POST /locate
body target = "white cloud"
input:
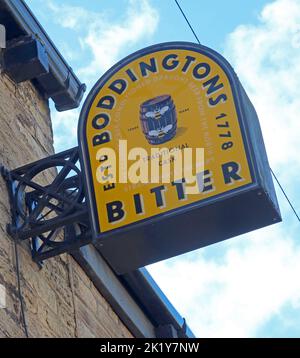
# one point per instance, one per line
(105, 41)
(267, 60)
(259, 273)
(72, 17)
(103, 38)
(234, 297)
(65, 129)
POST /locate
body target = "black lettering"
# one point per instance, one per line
(108, 176)
(144, 67)
(201, 70)
(138, 203)
(204, 181)
(102, 138)
(158, 195)
(105, 120)
(207, 181)
(109, 186)
(103, 158)
(230, 172)
(214, 101)
(106, 102)
(189, 60)
(212, 85)
(172, 64)
(180, 189)
(115, 211)
(131, 75)
(118, 86)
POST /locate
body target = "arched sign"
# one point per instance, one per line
(154, 107)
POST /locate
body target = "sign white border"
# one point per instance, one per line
(2, 36)
(2, 296)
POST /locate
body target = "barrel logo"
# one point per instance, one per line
(158, 119)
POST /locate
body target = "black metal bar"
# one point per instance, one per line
(68, 183)
(60, 222)
(68, 247)
(62, 155)
(31, 219)
(42, 189)
(46, 240)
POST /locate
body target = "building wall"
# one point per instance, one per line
(60, 300)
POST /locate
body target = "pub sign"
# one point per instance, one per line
(136, 129)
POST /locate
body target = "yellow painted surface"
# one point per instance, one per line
(197, 127)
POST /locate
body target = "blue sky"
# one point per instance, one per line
(248, 286)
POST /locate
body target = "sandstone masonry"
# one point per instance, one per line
(60, 300)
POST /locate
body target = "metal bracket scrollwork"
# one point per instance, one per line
(48, 205)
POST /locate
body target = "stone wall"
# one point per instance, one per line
(60, 300)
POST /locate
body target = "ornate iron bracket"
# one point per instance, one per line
(48, 205)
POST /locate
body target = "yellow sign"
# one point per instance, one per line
(172, 97)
